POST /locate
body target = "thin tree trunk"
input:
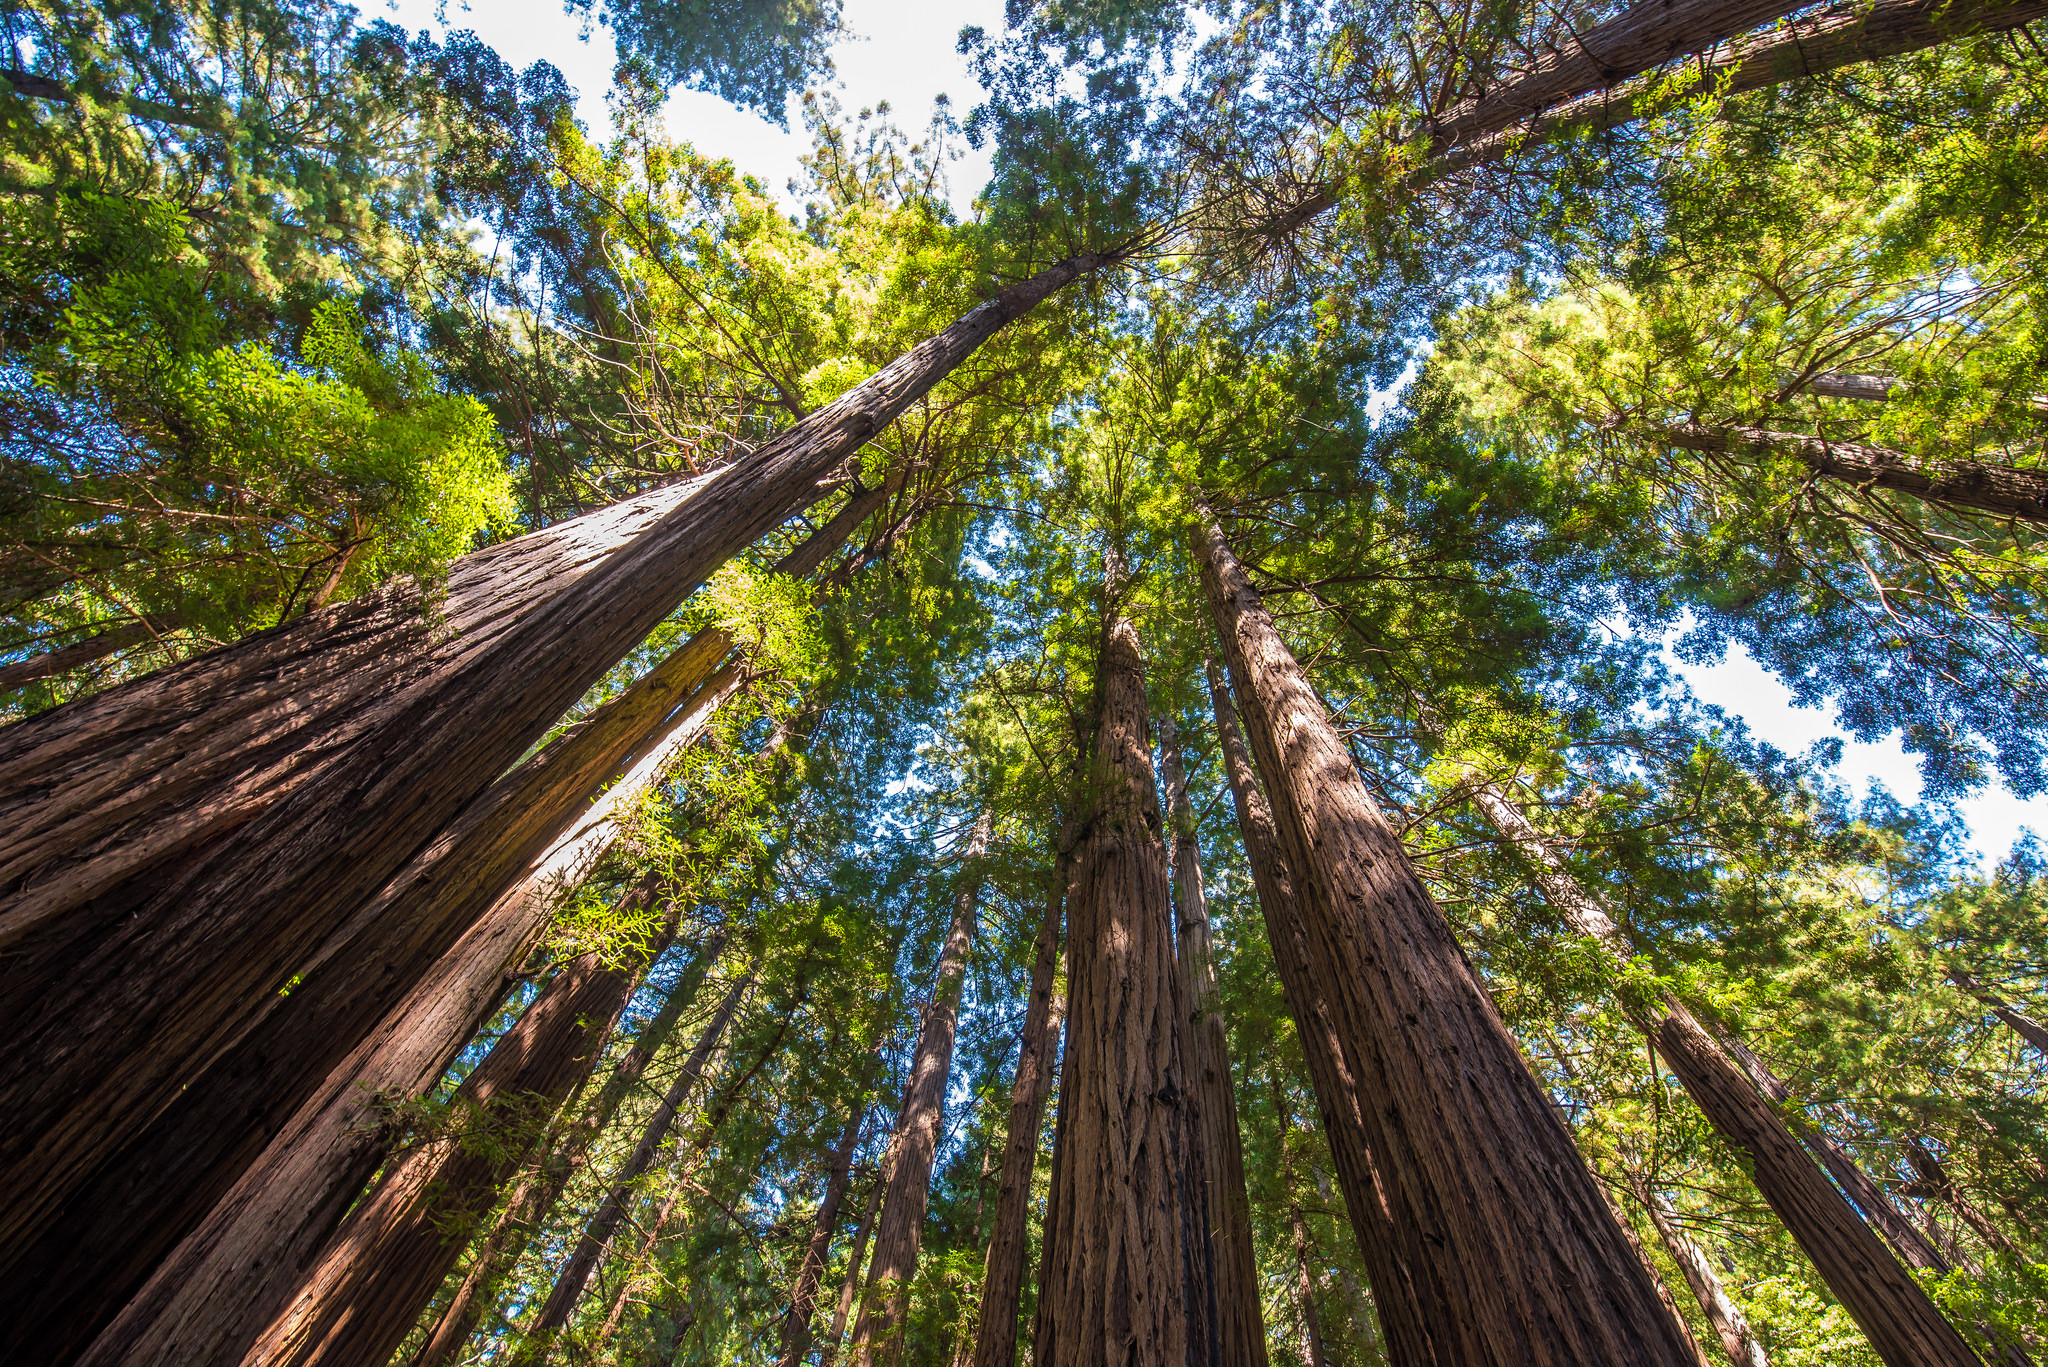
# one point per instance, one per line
(597, 1234)
(1731, 1326)
(1128, 1262)
(1336, 1088)
(2000, 490)
(1902, 1323)
(1935, 1175)
(849, 1286)
(1512, 1252)
(1305, 1287)
(366, 1290)
(537, 1192)
(1002, 1284)
(480, 892)
(877, 1334)
(1363, 1316)
(1241, 1327)
(79, 654)
(2025, 1026)
(803, 1296)
(168, 848)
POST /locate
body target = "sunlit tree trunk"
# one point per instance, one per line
(170, 849)
(2021, 1024)
(1002, 1285)
(803, 1296)
(1731, 1326)
(1510, 1249)
(1241, 1327)
(856, 1263)
(1128, 1262)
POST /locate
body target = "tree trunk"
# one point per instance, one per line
(1336, 1088)
(1902, 1324)
(849, 1286)
(171, 847)
(1241, 1328)
(1129, 1267)
(1731, 1326)
(877, 1334)
(1311, 1322)
(597, 1234)
(1513, 1252)
(77, 655)
(2025, 1026)
(803, 1296)
(1002, 1284)
(497, 865)
(366, 1290)
(2000, 490)
(535, 1196)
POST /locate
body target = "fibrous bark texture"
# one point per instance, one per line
(1731, 1326)
(1902, 1324)
(1127, 1264)
(1002, 1283)
(1512, 1253)
(803, 1295)
(877, 1333)
(172, 851)
(1240, 1326)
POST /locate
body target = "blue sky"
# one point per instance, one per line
(905, 53)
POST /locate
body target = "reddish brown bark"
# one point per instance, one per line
(2021, 1024)
(388, 1258)
(170, 850)
(803, 1295)
(1127, 1267)
(849, 1285)
(1512, 1251)
(1731, 1326)
(77, 655)
(1240, 1325)
(877, 1334)
(1002, 1283)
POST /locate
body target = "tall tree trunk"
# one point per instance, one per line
(1002, 1283)
(1512, 1253)
(1731, 1326)
(877, 1334)
(170, 848)
(2025, 1026)
(79, 654)
(597, 1234)
(1902, 1323)
(367, 1288)
(1128, 1262)
(491, 875)
(856, 1261)
(803, 1296)
(536, 1194)
(1336, 1088)
(1305, 1286)
(1241, 1329)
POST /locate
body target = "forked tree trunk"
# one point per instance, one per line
(534, 1197)
(234, 1271)
(877, 1334)
(1512, 1251)
(1002, 1283)
(1900, 1320)
(1336, 1088)
(1731, 1326)
(856, 1262)
(803, 1295)
(1240, 1326)
(597, 1233)
(1128, 1264)
(366, 1290)
(172, 849)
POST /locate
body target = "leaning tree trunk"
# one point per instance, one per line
(1900, 1320)
(1311, 1322)
(1128, 1264)
(1513, 1254)
(877, 1334)
(2021, 1024)
(1731, 1326)
(856, 1261)
(172, 850)
(1002, 1282)
(535, 1195)
(375, 1275)
(1240, 1327)
(803, 1295)
(1336, 1089)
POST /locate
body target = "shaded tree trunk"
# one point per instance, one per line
(803, 1296)
(535, 1196)
(856, 1261)
(1510, 1248)
(79, 654)
(1002, 1284)
(1902, 1323)
(1127, 1259)
(1305, 1283)
(1240, 1326)
(367, 1288)
(2025, 1026)
(877, 1334)
(1731, 1326)
(1336, 1088)
(169, 848)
